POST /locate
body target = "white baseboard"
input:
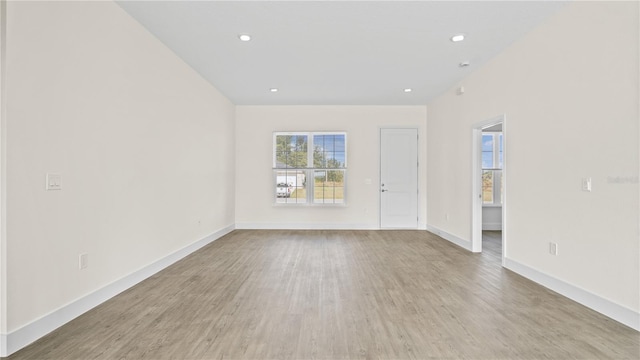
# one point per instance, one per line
(305, 226)
(492, 226)
(18, 339)
(313, 226)
(465, 244)
(606, 307)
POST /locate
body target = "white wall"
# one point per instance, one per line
(144, 145)
(254, 151)
(492, 218)
(569, 90)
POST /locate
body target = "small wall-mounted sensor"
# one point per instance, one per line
(586, 184)
(460, 90)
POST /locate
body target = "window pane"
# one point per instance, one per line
(336, 160)
(318, 151)
(487, 160)
(291, 151)
(487, 187)
(319, 158)
(328, 151)
(328, 187)
(487, 142)
(487, 151)
(500, 154)
(498, 177)
(291, 186)
(339, 143)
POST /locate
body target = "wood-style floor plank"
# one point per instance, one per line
(284, 294)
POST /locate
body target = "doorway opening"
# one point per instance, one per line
(489, 195)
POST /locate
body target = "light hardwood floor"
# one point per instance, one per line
(492, 244)
(338, 295)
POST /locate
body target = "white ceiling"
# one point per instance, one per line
(336, 52)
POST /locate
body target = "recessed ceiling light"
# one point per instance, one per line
(273, 90)
(244, 37)
(456, 38)
(464, 64)
(408, 90)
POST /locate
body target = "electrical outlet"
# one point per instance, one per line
(586, 184)
(83, 261)
(553, 249)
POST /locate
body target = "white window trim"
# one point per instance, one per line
(309, 170)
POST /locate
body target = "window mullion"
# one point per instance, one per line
(309, 171)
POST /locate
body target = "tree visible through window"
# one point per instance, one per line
(302, 156)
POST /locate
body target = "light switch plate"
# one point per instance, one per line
(54, 182)
(586, 184)
(83, 261)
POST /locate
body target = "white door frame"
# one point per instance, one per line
(476, 183)
(3, 182)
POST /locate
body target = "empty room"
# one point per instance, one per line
(319, 179)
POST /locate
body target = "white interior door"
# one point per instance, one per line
(399, 178)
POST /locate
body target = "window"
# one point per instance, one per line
(310, 168)
(492, 168)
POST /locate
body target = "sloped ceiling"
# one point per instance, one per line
(337, 52)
